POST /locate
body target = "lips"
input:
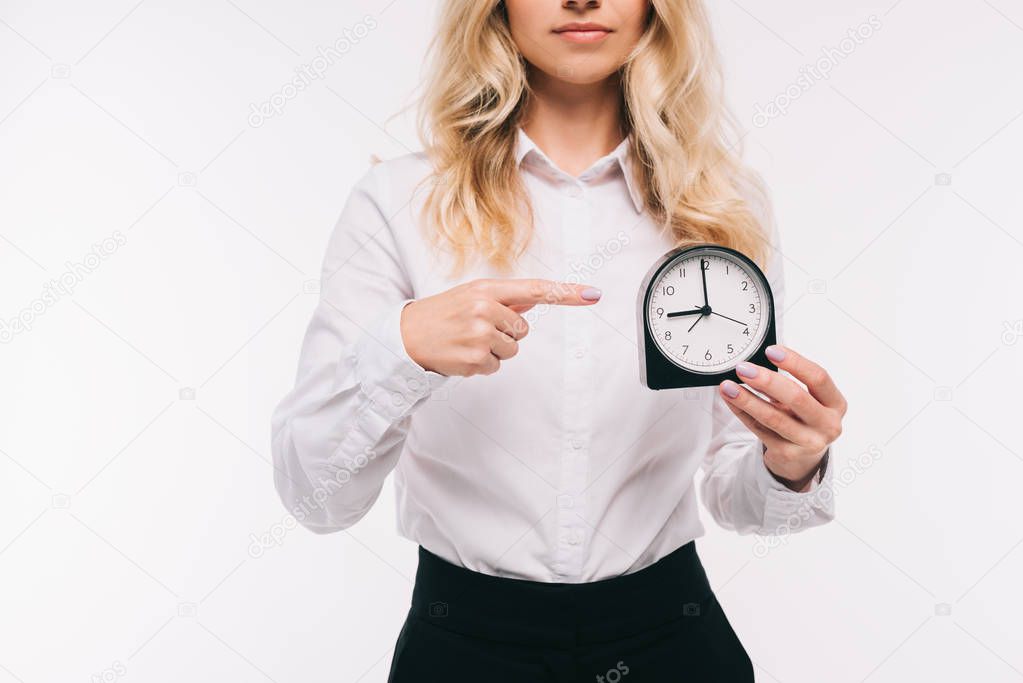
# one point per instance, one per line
(585, 27)
(583, 32)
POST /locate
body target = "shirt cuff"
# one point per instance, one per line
(391, 380)
(786, 510)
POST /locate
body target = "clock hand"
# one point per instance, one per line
(694, 324)
(703, 275)
(676, 314)
(732, 319)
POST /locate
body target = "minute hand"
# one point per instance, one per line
(703, 276)
(732, 319)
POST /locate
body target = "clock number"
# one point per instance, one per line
(685, 347)
(668, 290)
(745, 285)
(746, 332)
(660, 312)
(730, 349)
(752, 308)
(707, 355)
(706, 265)
(667, 335)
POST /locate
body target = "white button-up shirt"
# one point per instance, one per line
(562, 466)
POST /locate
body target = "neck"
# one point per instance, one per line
(573, 124)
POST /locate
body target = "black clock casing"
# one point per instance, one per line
(658, 372)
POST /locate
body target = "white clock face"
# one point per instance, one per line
(708, 328)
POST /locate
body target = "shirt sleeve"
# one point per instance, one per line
(737, 488)
(340, 430)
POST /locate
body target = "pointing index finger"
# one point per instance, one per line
(533, 291)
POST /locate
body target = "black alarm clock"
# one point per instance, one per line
(702, 309)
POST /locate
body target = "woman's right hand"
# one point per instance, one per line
(469, 329)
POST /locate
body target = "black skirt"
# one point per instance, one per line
(662, 623)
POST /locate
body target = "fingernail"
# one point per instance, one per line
(591, 294)
(746, 369)
(775, 353)
(730, 388)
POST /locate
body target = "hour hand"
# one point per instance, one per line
(676, 314)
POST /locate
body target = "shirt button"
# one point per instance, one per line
(574, 539)
(574, 192)
(577, 444)
(579, 353)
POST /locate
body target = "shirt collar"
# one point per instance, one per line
(622, 154)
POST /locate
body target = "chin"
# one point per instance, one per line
(588, 74)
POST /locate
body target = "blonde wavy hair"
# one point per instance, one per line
(692, 180)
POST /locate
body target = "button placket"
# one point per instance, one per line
(578, 377)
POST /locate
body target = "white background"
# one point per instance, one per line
(128, 508)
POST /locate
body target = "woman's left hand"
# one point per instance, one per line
(796, 424)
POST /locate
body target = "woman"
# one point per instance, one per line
(476, 336)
